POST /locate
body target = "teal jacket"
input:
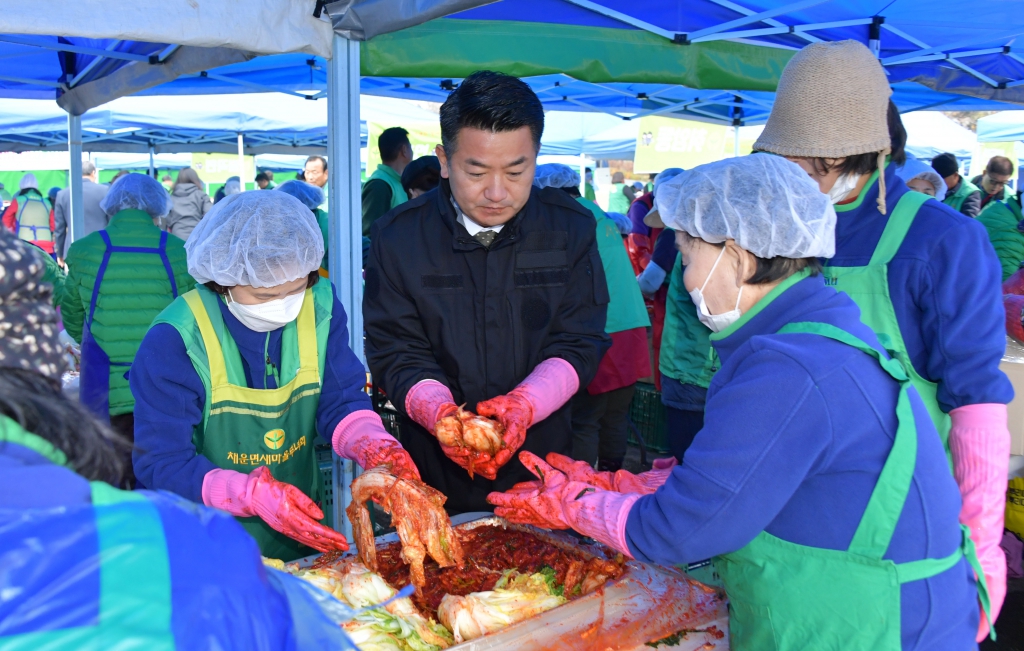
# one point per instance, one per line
(1001, 219)
(135, 290)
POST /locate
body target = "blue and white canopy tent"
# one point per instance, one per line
(1005, 126)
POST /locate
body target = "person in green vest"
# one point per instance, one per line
(600, 410)
(588, 191)
(961, 195)
(237, 378)
(1001, 220)
(383, 190)
(311, 197)
(994, 181)
(819, 484)
(119, 279)
(621, 194)
(88, 566)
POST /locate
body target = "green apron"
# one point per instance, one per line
(394, 181)
(686, 353)
(135, 574)
(323, 222)
(617, 200)
(246, 428)
(626, 310)
(869, 288)
(789, 597)
(956, 200)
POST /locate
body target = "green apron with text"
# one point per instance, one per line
(135, 573)
(869, 287)
(789, 597)
(246, 428)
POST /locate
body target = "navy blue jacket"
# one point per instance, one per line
(221, 595)
(796, 431)
(945, 284)
(169, 397)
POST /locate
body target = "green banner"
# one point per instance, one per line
(217, 168)
(423, 136)
(669, 142)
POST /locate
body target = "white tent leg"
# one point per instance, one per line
(736, 141)
(583, 175)
(152, 169)
(77, 225)
(241, 162)
(346, 224)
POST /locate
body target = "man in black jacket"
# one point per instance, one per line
(486, 292)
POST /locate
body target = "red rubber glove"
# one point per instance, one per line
(361, 436)
(1015, 283)
(534, 503)
(621, 481)
(282, 506)
(515, 413)
(428, 403)
(1014, 306)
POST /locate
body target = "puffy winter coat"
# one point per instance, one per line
(134, 291)
(1001, 220)
(188, 205)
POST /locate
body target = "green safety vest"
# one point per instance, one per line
(135, 573)
(626, 309)
(394, 181)
(789, 597)
(322, 221)
(956, 200)
(686, 353)
(245, 428)
(33, 221)
(617, 201)
(868, 286)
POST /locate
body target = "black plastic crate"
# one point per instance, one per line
(648, 415)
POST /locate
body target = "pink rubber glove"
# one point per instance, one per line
(282, 506)
(537, 503)
(429, 401)
(551, 384)
(599, 514)
(361, 436)
(980, 445)
(620, 481)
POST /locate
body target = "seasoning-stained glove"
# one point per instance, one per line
(1014, 306)
(283, 506)
(545, 390)
(980, 444)
(429, 402)
(361, 436)
(620, 481)
(536, 503)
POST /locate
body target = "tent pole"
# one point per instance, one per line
(583, 174)
(736, 141)
(77, 225)
(151, 167)
(345, 227)
(241, 162)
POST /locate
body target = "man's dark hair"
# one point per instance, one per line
(323, 161)
(262, 176)
(37, 404)
(1000, 165)
(490, 101)
(867, 163)
(391, 142)
(423, 174)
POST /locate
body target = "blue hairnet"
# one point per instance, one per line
(307, 193)
(622, 221)
(767, 204)
(556, 175)
(136, 192)
(52, 194)
(260, 239)
(233, 185)
(914, 169)
(666, 174)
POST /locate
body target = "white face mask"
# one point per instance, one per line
(268, 316)
(715, 322)
(843, 187)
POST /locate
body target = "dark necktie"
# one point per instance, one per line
(485, 237)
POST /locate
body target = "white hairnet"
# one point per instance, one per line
(262, 239)
(310, 195)
(622, 221)
(233, 185)
(136, 192)
(914, 169)
(666, 174)
(556, 175)
(764, 202)
(27, 181)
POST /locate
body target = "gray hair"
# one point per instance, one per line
(88, 168)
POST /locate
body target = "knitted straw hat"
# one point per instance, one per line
(832, 102)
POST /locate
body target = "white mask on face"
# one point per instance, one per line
(843, 187)
(715, 322)
(268, 316)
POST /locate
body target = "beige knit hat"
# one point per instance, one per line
(832, 102)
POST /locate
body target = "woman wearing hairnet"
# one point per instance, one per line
(118, 280)
(818, 481)
(311, 197)
(922, 274)
(235, 379)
